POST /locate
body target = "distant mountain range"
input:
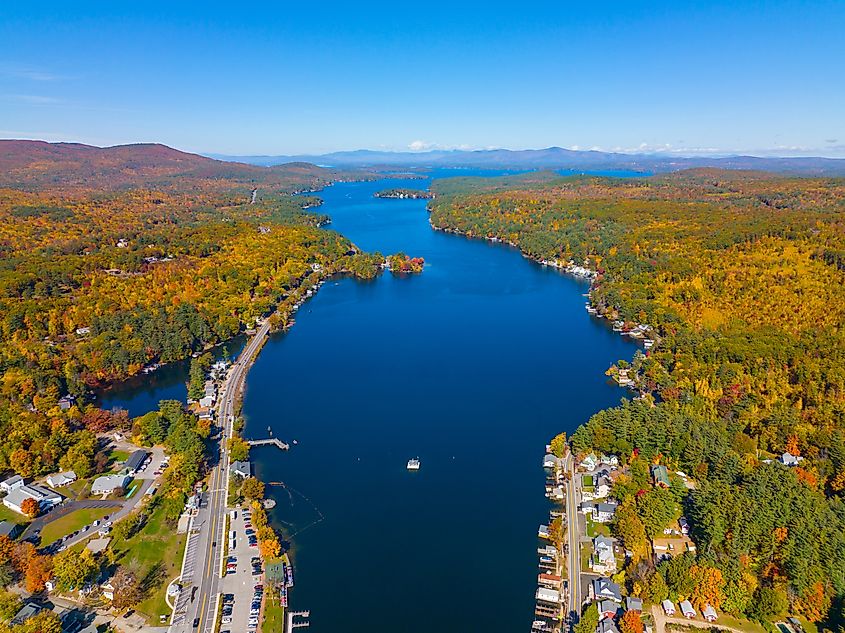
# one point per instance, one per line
(553, 158)
(37, 165)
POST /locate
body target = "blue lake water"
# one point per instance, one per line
(471, 366)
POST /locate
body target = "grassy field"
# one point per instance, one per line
(7, 514)
(72, 522)
(595, 529)
(75, 489)
(155, 555)
(274, 614)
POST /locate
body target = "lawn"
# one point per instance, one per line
(54, 530)
(155, 555)
(595, 529)
(587, 481)
(274, 614)
(586, 552)
(74, 490)
(116, 456)
(740, 625)
(7, 514)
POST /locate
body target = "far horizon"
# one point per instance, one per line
(660, 78)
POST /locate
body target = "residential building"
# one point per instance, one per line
(787, 459)
(607, 609)
(58, 480)
(660, 475)
(709, 613)
(604, 512)
(603, 561)
(241, 469)
(45, 498)
(109, 483)
(550, 461)
(66, 402)
(15, 481)
(633, 604)
(108, 590)
(545, 594)
(605, 589)
(668, 607)
(589, 462)
(686, 609)
(135, 461)
(9, 529)
(607, 626)
(27, 611)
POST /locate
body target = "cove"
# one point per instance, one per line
(471, 366)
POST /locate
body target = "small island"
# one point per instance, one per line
(404, 194)
(400, 263)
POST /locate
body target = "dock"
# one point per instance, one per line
(273, 441)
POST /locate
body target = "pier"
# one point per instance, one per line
(294, 624)
(273, 441)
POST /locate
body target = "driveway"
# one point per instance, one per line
(661, 620)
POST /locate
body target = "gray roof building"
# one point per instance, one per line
(135, 460)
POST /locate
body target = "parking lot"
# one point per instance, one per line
(240, 581)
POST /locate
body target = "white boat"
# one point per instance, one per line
(414, 463)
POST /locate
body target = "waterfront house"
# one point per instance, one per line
(45, 498)
(603, 561)
(58, 480)
(543, 531)
(66, 402)
(687, 610)
(241, 469)
(668, 607)
(633, 604)
(544, 594)
(107, 484)
(605, 589)
(15, 481)
(709, 613)
(787, 459)
(604, 512)
(607, 609)
(206, 402)
(660, 475)
(550, 580)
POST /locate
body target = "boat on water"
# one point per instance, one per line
(414, 463)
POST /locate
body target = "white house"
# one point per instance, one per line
(58, 480)
(709, 613)
(241, 469)
(15, 481)
(548, 595)
(108, 590)
(788, 459)
(687, 610)
(43, 497)
(605, 589)
(206, 402)
(668, 607)
(589, 462)
(604, 512)
(550, 461)
(109, 483)
(603, 561)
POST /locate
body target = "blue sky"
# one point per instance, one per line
(282, 78)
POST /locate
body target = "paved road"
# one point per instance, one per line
(211, 520)
(574, 540)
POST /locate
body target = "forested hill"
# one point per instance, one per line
(742, 278)
(69, 167)
(112, 260)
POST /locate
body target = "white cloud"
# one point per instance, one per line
(420, 146)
